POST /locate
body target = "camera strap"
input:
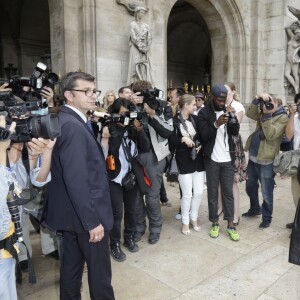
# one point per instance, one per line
(127, 151)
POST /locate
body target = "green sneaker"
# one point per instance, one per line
(214, 230)
(233, 234)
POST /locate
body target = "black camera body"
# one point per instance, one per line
(231, 117)
(117, 123)
(36, 81)
(193, 151)
(150, 96)
(298, 108)
(29, 126)
(268, 105)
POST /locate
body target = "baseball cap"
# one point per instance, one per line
(220, 91)
(199, 95)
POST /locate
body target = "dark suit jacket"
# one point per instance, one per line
(208, 132)
(79, 198)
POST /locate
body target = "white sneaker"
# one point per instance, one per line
(178, 216)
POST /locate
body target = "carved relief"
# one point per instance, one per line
(293, 51)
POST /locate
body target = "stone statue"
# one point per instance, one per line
(293, 51)
(139, 46)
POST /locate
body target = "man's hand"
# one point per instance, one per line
(148, 110)
(39, 146)
(48, 94)
(136, 98)
(96, 234)
(4, 88)
(292, 108)
(138, 125)
(222, 120)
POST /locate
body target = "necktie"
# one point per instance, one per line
(89, 124)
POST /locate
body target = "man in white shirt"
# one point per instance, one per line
(216, 129)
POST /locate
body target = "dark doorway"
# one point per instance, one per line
(189, 47)
(24, 35)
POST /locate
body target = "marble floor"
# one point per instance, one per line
(196, 266)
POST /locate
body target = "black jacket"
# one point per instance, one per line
(78, 193)
(185, 163)
(208, 131)
(294, 253)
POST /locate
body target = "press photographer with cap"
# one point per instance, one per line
(217, 128)
(263, 145)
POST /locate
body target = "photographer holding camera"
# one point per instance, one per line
(157, 120)
(263, 145)
(217, 128)
(123, 143)
(186, 144)
(7, 227)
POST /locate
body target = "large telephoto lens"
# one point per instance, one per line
(46, 126)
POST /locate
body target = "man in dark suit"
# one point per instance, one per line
(79, 201)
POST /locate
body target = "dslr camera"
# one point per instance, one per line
(150, 96)
(117, 123)
(231, 117)
(36, 81)
(268, 104)
(27, 124)
(193, 151)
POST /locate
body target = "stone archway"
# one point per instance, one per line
(226, 30)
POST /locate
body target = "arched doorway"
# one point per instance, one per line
(189, 47)
(220, 23)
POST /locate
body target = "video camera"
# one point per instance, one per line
(28, 125)
(150, 96)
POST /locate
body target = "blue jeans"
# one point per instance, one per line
(219, 173)
(263, 174)
(8, 289)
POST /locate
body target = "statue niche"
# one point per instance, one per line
(140, 41)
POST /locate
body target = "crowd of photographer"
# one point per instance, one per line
(99, 162)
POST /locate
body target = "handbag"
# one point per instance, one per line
(286, 163)
(172, 171)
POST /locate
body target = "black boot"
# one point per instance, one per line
(130, 244)
(117, 253)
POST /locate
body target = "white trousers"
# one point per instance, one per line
(192, 188)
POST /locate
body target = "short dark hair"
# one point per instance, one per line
(179, 91)
(141, 85)
(68, 82)
(115, 107)
(121, 90)
(296, 98)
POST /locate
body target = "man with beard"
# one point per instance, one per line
(217, 126)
